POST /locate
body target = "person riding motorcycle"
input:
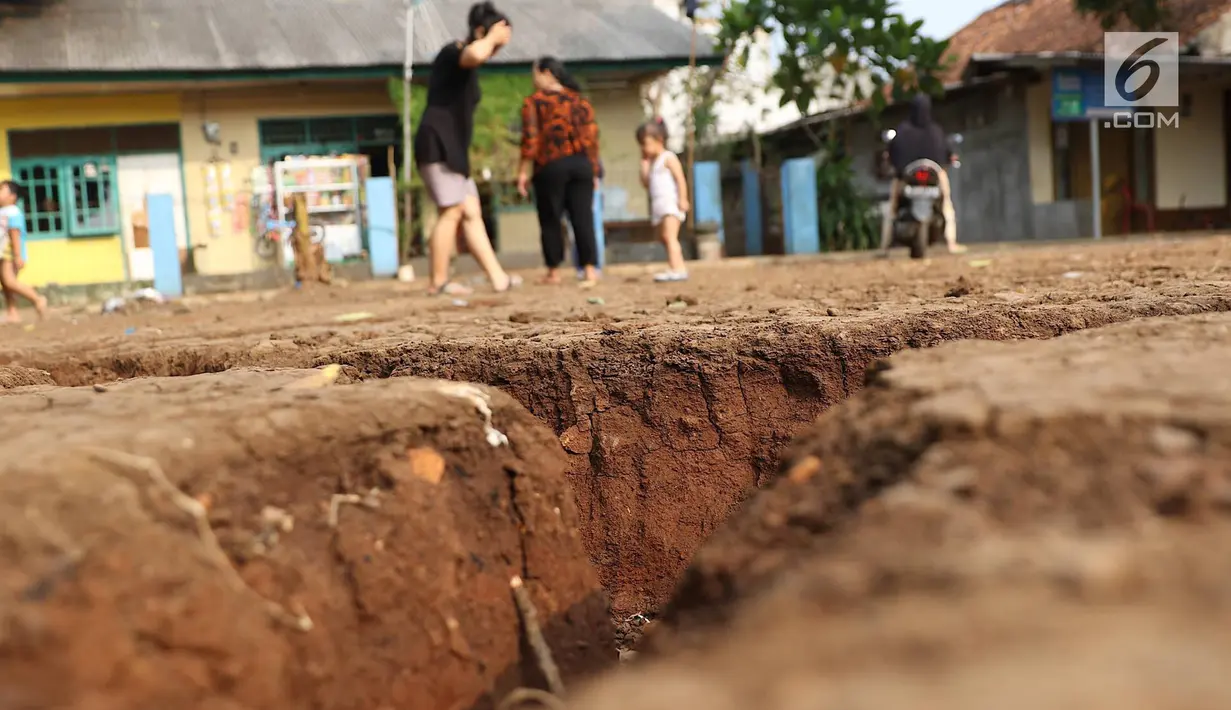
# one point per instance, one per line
(920, 138)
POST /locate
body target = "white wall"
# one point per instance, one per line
(1190, 161)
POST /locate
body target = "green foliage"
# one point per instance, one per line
(1140, 14)
(497, 121)
(860, 50)
(848, 215)
(854, 48)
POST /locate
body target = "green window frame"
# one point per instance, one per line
(69, 196)
(323, 135)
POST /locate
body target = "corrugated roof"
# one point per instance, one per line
(235, 35)
(1036, 26)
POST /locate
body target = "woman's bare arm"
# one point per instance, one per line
(479, 51)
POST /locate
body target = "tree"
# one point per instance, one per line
(1141, 14)
(855, 51)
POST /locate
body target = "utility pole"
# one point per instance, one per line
(407, 72)
(691, 10)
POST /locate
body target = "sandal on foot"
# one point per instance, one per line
(671, 276)
(450, 288)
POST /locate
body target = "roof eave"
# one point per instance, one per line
(981, 64)
(380, 71)
(850, 111)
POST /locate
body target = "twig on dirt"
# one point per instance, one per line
(371, 500)
(298, 620)
(523, 696)
(534, 632)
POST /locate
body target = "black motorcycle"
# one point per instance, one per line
(920, 221)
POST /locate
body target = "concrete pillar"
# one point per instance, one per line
(801, 223)
(168, 277)
(707, 195)
(382, 221)
(754, 238)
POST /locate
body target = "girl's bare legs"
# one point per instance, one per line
(671, 239)
(9, 282)
(480, 245)
(441, 243)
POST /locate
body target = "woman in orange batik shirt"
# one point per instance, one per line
(559, 144)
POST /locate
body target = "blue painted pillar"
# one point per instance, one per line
(168, 278)
(754, 239)
(382, 219)
(707, 195)
(801, 224)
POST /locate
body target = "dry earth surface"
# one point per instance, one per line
(1017, 525)
(268, 540)
(674, 403)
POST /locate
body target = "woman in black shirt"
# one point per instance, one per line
(442, 147)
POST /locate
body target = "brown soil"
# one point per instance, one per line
(1013, 525)
(114, 598)
(675, 402)
(14, 377)
(1036, 620)
(1104, 431)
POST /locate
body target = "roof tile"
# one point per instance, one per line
(253, 35)
(1035, 26)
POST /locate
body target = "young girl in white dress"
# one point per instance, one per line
(663, 175)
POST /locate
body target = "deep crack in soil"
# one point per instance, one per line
(671, 417)
(1045, 523)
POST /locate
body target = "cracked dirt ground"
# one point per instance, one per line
(114, 598)
(1010, 525)
(673, 404)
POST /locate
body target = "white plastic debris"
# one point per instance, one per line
(146, 295)
(483, 403)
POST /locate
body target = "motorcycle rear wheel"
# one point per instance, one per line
(919, 245)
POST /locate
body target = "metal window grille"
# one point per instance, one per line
(70, 196)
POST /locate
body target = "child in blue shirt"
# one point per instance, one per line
(12, 253)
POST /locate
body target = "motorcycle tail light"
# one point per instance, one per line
(923, 176)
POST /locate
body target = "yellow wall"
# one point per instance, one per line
(1189, 163)
(80, 259)
(619, 113)
(238, 111)
(1038, 117)
(519, 232)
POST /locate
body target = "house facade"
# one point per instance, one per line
(100, 107)
(1028, 169)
